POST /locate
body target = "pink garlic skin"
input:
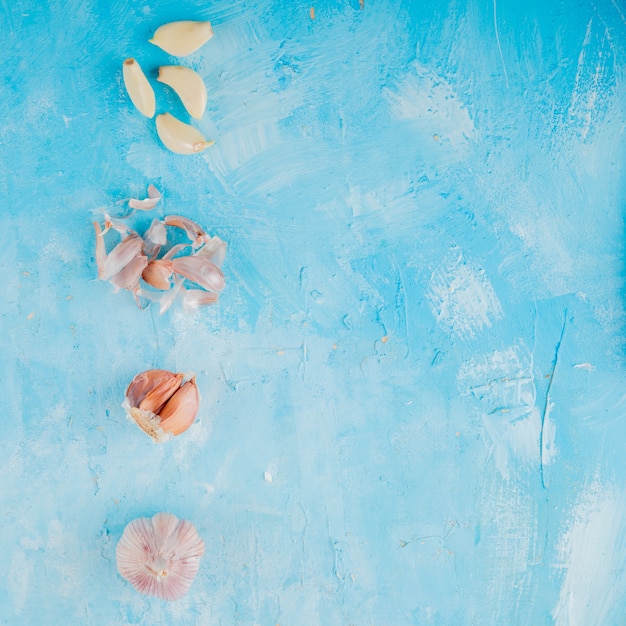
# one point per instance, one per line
(160, 556)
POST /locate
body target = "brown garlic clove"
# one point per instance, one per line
(158, 273)
(162, 403)
(181, 409)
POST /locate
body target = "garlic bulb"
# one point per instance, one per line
(162, 403)
(188, 85)
(179, 137)
(138, 87)
(182, 38)
(160, 556)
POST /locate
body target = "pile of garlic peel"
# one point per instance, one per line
(145, 266)
(162, 403)
(179, 39)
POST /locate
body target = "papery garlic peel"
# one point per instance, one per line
(179, 137)
(188, 85)
(160, 556)
(162, 403)
(182, 38)
(138, 88)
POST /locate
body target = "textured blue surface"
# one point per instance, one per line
(413, 385)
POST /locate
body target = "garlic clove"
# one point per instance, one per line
(181, 409)
(138, 87)
(188, 85)
(160, 556)
(183, 37)
(157, 274)
(161, 404)
(156, 398)
(200, 270)
(179, 137)
(144, 383)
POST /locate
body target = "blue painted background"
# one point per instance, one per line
(413, 385)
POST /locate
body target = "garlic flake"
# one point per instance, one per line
(138, 87)
(188, 85)
(179, 137)
(182, 38)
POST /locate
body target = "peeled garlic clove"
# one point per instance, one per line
(182, 38)
(179, 137)
(157, 274)
(188, 85)
(180, 411)
(138, 87)
(200, 270)
(160, 556)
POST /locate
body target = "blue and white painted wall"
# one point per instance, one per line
(414, 408)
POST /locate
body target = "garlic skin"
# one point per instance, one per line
(138, 88)
(163, 404)
(182, 38)
(179, 137)
(160, 556)
(147, 204)
(188, 85)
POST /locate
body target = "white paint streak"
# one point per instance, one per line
(18, 581)
(585, 366)
(503, 384)
(462, 298)
(589, 553)
(509, 531)
(428, 100)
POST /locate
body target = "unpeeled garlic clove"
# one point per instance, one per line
(145, 383)
(157, 274)
(183, 37)
(179, 137)
(159, 395)
(162, 403)
(188, 85)
(138, 87)
(181, 409)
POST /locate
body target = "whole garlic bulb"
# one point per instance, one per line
(160, 556)
(162, 403)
